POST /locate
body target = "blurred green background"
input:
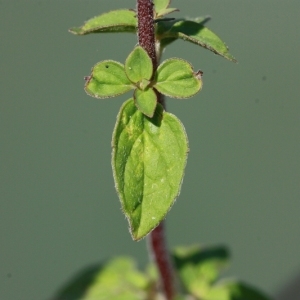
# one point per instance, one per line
(58, 207)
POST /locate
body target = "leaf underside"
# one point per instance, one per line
(196, 33)
(148, 160)
(122, 20)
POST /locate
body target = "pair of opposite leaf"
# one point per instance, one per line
(167, 30)
(174, 78)
(149, 185)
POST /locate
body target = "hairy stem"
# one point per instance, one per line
(156, 239)
(160, 255)
(146, 34)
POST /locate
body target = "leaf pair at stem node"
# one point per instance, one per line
(174, 78)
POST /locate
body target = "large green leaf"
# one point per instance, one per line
(123, 20)
(196, 33)
(148, 159)
(231, 290)
(199, 267)
(175, 78)
(108, 79)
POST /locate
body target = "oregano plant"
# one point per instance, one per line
(149, 154)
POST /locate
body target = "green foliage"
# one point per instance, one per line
(194, 32)
(138, 65)
(145, 100)
(161, 8)
(199, 270)
(233, 290)
(118, 279)
(167, 31)
(122, 20)
(108, 79)
(149, 156)
(150, 149)
(175, 78)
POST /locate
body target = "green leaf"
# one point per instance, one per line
(166, 11)
(148, 160)
(138, 65)
(161, 4)
(175, 78)
(118, 279)
(123, 20)
(199, 268)
(198, 34)
(230, 290)
(145, 101)
(161, 8)
(108, 79)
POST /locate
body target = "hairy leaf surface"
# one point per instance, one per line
(108, 79)
(148, 160)
(122, 20)
(175, 78)
(138, 65)
(198, 34)
(145, 101)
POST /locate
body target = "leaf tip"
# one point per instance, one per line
(76, 30)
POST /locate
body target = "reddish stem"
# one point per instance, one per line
(157, 245)
(146, 34)
(157, 242)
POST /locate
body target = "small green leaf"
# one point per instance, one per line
(123, 20)
(145, 101)
(138, 65)
(161, 8)
(108, 79)
(230, 290)
(119, 280)
(198, 34)
(199, 268)
(161, 4)
(148, 160)
(144, 84)
(175, 78)
(166, 11)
